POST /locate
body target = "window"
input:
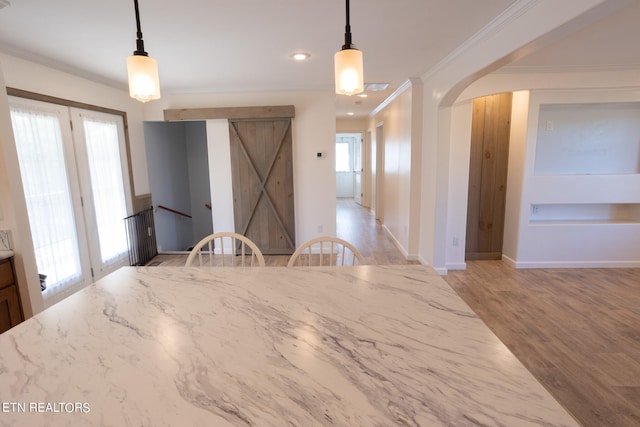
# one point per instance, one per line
(40, 146)
(76, 191)
(107, 185)
(343, 156)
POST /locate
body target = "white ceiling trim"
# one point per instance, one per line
(494, 27)
(551, 69)
(59, 66)
(404, 86)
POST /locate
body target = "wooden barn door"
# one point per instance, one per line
(262, 174)
(491, 126)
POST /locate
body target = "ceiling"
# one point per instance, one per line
(245, 46)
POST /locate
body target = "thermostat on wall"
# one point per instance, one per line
(320, 155)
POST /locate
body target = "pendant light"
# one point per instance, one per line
(142, 70)
(348, 65)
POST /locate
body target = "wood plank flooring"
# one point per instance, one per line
(576, 330)
(353, 223)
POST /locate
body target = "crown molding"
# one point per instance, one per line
(413, 81)
(59, 66)
(512, 13)
(556, 69)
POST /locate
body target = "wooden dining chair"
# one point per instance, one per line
(326, 250)
(225, 249)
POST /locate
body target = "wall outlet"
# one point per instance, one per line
(320, 228)
(549, 125)
(456, 241)
(5, 240)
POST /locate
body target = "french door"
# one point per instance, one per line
(349, 166)
(72, 164)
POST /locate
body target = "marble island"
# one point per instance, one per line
(355, 346)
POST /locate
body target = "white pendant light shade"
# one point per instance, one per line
(144, 84)
(349, 72)
(348, 64)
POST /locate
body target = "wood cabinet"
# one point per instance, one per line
(10, 307)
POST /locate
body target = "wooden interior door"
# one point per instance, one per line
(491, 125)
(262, 174)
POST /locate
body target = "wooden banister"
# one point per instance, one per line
(174, 211)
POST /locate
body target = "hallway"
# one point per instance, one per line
(359, 226)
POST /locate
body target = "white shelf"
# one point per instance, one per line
(585, 213)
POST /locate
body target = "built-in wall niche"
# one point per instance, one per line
(580, 213)
(587, 139)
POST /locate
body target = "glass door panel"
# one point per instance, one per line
(45, 152)
(99, 142)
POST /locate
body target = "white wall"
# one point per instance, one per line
(515, 173)
(577, 235)
(219, 149)
(530, 243)
(460, 150)
(352, 125)
(401, 174)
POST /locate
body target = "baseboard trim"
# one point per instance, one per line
(571, 264)
(456, 266)
(398, 245)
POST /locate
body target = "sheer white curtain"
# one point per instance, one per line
(107, 186)
(41, 154)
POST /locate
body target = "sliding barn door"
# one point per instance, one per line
(262, 173)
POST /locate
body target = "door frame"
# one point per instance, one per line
(377, 154)
(356, 139)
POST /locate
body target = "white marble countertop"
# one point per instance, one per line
(355, 346)
(5, 253)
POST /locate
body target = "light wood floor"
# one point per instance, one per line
(353, 223)
(576, 330)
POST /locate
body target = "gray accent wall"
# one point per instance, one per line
(178, 179)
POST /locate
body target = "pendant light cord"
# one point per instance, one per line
(347, 32)
(139, 42)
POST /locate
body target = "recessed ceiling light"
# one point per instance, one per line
(300, 56)
(350, 113)
(362, 95)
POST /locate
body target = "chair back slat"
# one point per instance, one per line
(339, 251)
(207, 245)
